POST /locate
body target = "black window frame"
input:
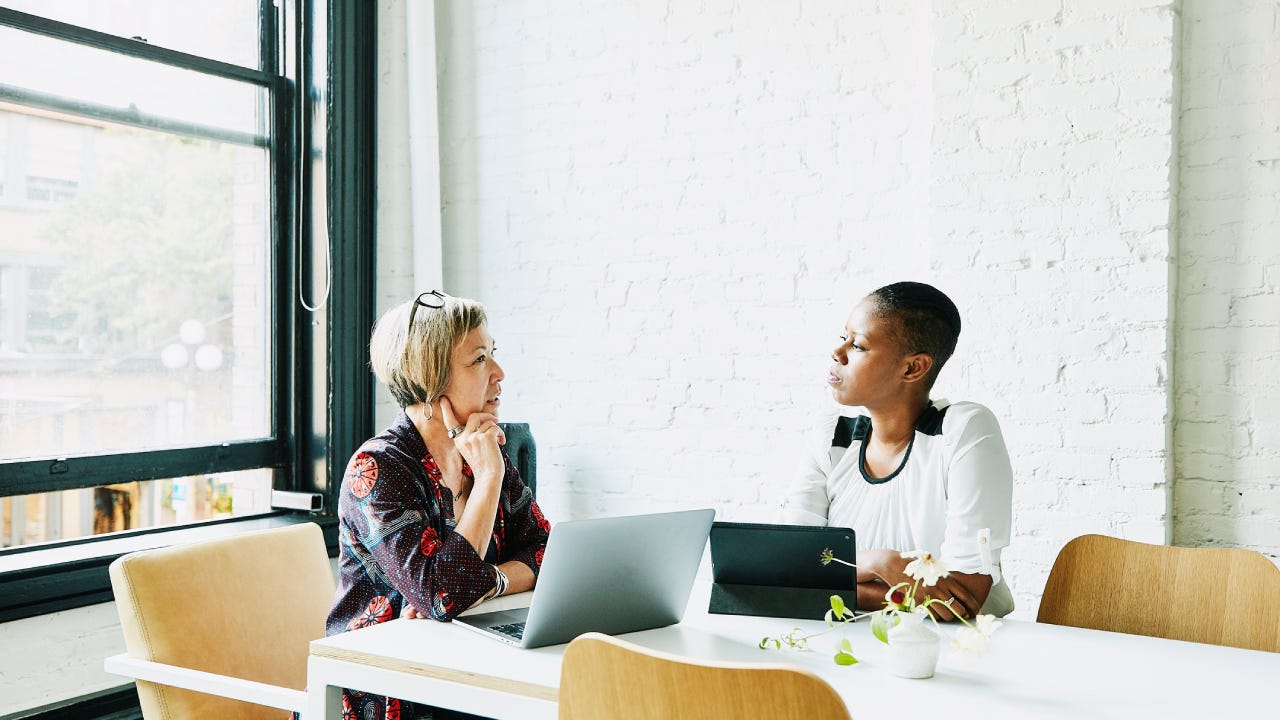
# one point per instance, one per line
(322, 406)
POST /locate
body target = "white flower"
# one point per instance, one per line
(987, 624)
(976, 638)
(924, 567)
(969, 640)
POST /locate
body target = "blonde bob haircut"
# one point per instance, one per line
(413, 362)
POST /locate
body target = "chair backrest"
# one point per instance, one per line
(522, 451)
(604, 677)
(1219, 596)
(247, 606)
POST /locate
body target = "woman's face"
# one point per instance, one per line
(474, 375)
(868, 364)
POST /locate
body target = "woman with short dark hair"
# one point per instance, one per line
(904, 471)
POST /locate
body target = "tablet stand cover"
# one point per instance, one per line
(776, 570)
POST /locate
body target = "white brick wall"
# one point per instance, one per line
(1226, 435)
(1050, 195)
(670, 212)
(40, 666)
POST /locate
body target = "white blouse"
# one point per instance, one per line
(952, 495)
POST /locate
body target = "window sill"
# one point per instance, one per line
(42, 580)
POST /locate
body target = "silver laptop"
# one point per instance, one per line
(611, 575)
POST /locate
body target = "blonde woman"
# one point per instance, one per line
(433, 516)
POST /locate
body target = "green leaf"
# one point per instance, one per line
(837, 605)
(880, 625)
(844, 658)
(845, 645)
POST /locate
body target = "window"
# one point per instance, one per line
(170, 355)
(138, 256)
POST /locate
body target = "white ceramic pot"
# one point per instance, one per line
(913, 647)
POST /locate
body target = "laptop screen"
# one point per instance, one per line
(610, 575)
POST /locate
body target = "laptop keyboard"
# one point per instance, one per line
(515, 631)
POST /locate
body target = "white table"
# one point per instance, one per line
(1030, 671)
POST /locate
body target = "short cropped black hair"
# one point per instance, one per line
(926, 321)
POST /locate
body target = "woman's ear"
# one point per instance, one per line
(918, 367)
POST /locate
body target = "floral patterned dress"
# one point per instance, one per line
(398, 545)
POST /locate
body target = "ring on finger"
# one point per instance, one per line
(455, 432)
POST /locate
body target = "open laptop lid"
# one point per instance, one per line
(776, 570)
(614, 575)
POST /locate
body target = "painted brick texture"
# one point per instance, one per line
(1226, 440)
(1051, 201)
(670, 210)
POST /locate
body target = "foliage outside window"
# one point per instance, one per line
(139, 253)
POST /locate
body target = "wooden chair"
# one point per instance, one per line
(230, 619)
(604, 677)
(1209, 595)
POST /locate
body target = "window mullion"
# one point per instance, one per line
(51, 474)
(132, 117)
(133, 48)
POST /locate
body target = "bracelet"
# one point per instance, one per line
(500, 581)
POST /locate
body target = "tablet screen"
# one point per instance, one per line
(781, 555)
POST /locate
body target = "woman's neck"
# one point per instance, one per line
(426, 419)
(895, 425)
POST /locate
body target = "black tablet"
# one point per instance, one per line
(777, 570)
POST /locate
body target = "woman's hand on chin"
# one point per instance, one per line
(478, 440)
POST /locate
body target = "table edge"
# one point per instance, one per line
(488, 682)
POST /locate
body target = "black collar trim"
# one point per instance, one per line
(849, 429)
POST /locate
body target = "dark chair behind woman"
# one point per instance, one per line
(522, 451)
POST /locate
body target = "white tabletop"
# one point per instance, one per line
(1030, 671)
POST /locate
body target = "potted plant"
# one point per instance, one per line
(901, 623)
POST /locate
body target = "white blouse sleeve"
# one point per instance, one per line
(807, 501)
(979, 494)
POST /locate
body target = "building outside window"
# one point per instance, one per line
(140, 247)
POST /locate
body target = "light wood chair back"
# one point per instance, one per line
(604, 677)
(244, 607)
(1221, 596)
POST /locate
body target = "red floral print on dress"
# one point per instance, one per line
(430, 542)
(441, 604)
(362, 475)
(539, 518)
(537, 556)
(433, 470)
(348, 712)
(435, 476)
(379, 611)
(393, 709)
